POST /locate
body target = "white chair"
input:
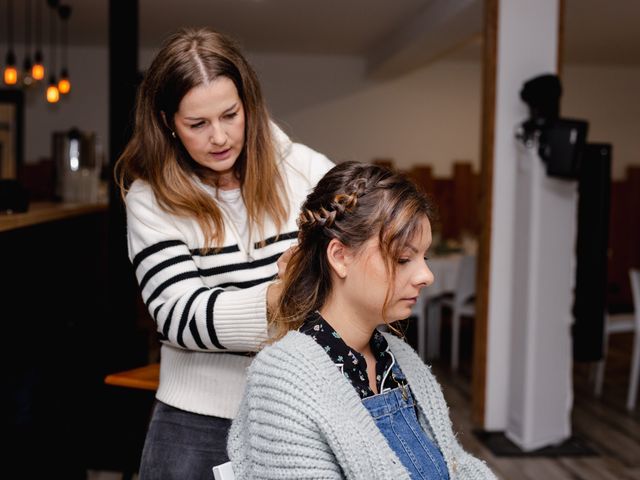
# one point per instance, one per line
(223, 472)
(462, 303)
(619, 323)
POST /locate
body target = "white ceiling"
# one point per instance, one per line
(596, 31)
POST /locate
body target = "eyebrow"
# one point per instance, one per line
(232, 107)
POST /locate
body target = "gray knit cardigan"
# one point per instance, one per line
(300, 418)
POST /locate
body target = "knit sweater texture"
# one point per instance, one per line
(207, 305)
(300, 418)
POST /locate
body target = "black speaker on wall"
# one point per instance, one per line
(591, 252)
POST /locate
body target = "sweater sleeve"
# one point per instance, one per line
(273, 436)
(188, 313)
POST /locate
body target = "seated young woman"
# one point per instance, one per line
(334, 397)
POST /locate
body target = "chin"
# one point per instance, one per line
(396, 316)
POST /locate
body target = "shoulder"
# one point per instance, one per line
(289, 350)
(299, 160)
(147, 219)
(139, 189)
(295, 356)
(141, 202)
(140, 199)
(306, 162)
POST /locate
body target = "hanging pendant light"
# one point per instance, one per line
(37, 71)
(64, 85)
(27, 78)
(53, 94)
(10, 70)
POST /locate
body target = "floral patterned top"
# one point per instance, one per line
(352, 364)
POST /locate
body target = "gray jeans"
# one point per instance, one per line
(182, 445)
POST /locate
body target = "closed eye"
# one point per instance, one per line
(197, 125)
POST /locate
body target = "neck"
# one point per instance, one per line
(354, 330)
(221, 180)
(228, 181)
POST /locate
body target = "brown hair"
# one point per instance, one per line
(352, 203)
(189, 58)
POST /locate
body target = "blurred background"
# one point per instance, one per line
(400, 83)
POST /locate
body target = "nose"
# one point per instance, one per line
(217, 135)
(424, 277)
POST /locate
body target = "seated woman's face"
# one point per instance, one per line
(367, 281)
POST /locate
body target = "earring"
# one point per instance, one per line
(173, 134)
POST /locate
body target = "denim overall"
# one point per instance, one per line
(394, 413)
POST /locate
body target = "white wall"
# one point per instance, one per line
(608, 97)
(430, 116)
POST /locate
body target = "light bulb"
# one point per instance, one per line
(10, 75)
(37, 71)
(53, 95)
(10, 71)
(64, 85)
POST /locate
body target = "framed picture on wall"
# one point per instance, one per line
(11, 132)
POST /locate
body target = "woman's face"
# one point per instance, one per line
(367, 281)
(210, 123)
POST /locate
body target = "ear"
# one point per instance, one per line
(338, 256)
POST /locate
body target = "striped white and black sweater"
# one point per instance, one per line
(206, 306)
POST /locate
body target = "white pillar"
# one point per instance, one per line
(540, 387)
(527, 47)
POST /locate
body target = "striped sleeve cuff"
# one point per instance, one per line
(240, 318)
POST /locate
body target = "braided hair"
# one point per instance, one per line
(352, 203)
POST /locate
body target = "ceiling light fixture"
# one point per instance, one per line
(53, 94)
(37, 71)
(10, 70)
(64, 85)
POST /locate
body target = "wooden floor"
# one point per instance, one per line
(603, 424)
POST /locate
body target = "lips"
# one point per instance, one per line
(222, 154)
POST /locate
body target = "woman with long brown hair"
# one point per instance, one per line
(334, 397)
(211, 187)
